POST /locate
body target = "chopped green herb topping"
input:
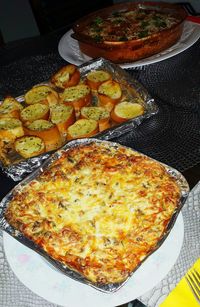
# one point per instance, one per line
(143, 34)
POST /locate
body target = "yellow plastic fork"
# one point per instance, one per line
(193, 280)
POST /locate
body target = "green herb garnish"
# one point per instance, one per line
(116, 14)
(160, 23)
(143, 34)
(98, 20)
(123, 39)
(97, 38)
(144, 24)
(117, 21)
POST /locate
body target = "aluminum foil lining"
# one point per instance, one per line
(109, 288)
(20, 167)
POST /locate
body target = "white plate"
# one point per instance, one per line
(68, 48)
(43, 279)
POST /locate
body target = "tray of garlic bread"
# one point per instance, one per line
(97, 99)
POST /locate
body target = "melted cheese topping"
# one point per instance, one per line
(95, 113)
(10, 123)
(60, 113)
(27, 146)
(98, 209)
(128, 25)
(38, 93)
(128, 109)
(82, 127)
(34, 111)
(98, 76)
(10, 104)
(40, 124)
(75, 92)
(110, 88)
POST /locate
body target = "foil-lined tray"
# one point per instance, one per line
(109, 288)
(19, 167)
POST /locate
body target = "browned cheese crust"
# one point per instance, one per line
(98, 209)
(128, 32)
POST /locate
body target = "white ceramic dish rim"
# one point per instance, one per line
(44, 280)
(68, 48)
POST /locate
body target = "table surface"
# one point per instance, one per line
(12, 57)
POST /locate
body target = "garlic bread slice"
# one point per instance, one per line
(10, 129)
(82, 128)
(109, 93)
(63, 116)
(40, 94)
(126, 110)
(96, 77)
(66, 76)
(10, 107)
(47, 131)
(29, 146)
(100, 114)
(77, 96)
(34, 112)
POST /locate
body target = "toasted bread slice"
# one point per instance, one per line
(34, 112)
(29, 146)
(5, 147)
(52, 99)
(66, 76)
(126, 110)
(77, 96)
(10, 107)
(10, 129)
(82, 128)
(101, 115)
(40, 94)
(96, 77)
(63, 116)
(109, 93)
(47, 131)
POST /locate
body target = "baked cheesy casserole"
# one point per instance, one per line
(128, 25)
(100, 209)
(129, 31)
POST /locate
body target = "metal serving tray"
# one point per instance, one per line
(4, 225)
(19, 167)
